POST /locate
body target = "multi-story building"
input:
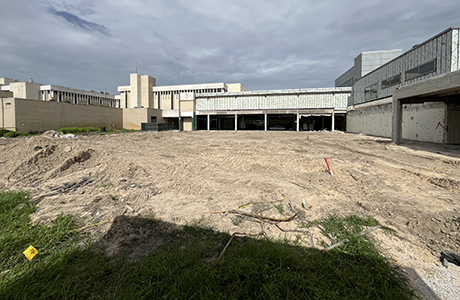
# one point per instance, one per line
(413, 96)
(221, 106)
(35, 91)
(365, 63)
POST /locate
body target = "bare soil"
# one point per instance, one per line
(199, 177)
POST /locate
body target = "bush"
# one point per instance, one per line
(76, 130)
(11, 134)
(3, 131)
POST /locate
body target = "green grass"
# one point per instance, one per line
(78, 130)
(184, 265)
(280, 208)
(85, 130)
(9, 133)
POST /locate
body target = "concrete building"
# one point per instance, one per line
(365, 63)
(414, 96)
(221, 106)
(296, 109)
(35, 91)
(32, 107)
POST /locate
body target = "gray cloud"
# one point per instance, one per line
(262, 44)
(83, 24)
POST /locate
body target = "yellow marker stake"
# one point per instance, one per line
(30, 252)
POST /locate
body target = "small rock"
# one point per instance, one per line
(445, 263)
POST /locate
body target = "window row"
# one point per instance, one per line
(370, 92)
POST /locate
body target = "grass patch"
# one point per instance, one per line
(181, 263)
(78, 130)
(11, 134)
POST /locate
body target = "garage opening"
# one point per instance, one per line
(251, 122)
(281, 122)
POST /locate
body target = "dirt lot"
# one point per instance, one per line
(182, 176)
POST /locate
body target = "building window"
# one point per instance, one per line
(421, 70)
(391, 81)
(370, 92)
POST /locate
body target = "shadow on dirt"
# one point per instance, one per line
(447, 150)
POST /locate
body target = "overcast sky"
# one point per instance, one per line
(263, 44)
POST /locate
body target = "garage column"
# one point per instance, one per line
(396, 128)
(265, 122)
(298, 122)
(208, 123)
(236, 122)
(333, 121)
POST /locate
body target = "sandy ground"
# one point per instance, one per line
(182, 176)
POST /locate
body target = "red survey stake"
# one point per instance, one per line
(328, 166)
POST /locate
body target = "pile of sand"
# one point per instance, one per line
(182, 177)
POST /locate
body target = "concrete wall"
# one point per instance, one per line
(26, 90)
(7, 116)
(136, 91)
(373, 120)
(277, 99)
(32, 115)
(235, 87)
(424, 122)
(187, 124)
(420, 122)
(147, 83)
(7, 81)
(132, 118)
(5, 94)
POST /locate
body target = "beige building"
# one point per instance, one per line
(221, 106)
(28, 106)
(35, 91)
(174, 104)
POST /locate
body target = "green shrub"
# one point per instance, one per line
(13, 134)
(77, 130)
(3, 131)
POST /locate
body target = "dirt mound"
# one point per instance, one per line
(201, 176)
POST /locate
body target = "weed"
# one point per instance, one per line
(106, 185)
(280, 208)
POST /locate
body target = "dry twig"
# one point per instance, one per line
(264, 218)
(231, 238)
